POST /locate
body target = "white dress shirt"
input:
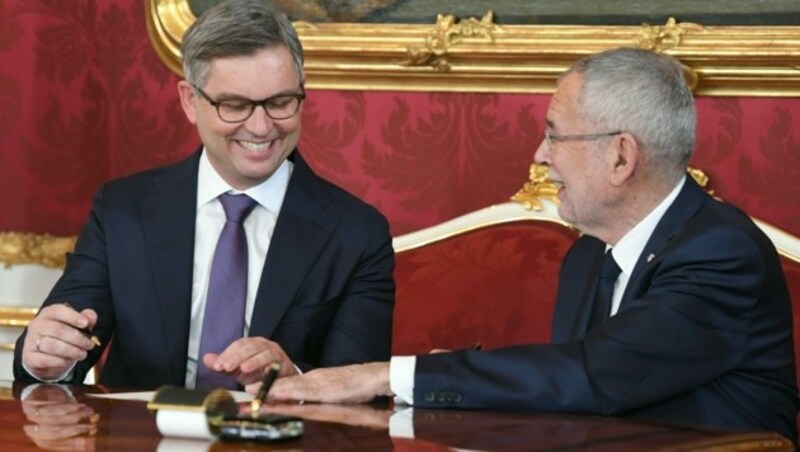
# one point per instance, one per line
(626, 252)
(258, 226)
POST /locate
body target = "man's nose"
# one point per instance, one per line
(542, 154)
(259, 121)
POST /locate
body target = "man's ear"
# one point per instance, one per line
(188, 100)
(626, 155)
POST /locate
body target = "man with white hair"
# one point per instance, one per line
(671, 307)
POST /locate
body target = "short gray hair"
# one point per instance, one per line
(236, 28)
(643, 93)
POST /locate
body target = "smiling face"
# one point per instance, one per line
(246, 154)
(576, 166)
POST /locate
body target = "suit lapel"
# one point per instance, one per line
(578, 280)
(588, 291)
(168, 218)
(301, 233)
(583, 311)
(674, 220)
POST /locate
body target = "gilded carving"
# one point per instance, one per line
(665, 37)
(724, 60)
(699, 176)
(29, 248)
(537, 188)
(447, 33)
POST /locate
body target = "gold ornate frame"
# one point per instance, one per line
(477, 55)
(14, 318)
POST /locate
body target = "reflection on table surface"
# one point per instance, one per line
(57, 417)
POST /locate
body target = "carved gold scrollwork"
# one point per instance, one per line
(541, 187)
(732, 60)
(446, 33)
(537, 188)
(29, 248)
(701, 178)
(666, 37)
(669, 36)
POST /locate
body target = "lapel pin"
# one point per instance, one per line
(650, 257)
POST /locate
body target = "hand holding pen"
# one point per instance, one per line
(56, 338)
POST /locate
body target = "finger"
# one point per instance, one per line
(60, 347)
(65, 313)
(229, 359)
(209, 360)
(51, 325)
(266, 353)
(91, 316)
(300, 387)
(251, 355)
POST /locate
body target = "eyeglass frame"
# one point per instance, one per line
(550, 138)
(301, 96)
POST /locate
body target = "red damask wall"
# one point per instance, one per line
(84, 98)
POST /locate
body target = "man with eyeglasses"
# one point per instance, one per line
(203, 273)
(671, 307)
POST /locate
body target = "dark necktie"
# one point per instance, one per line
(227, 288)
(609, 271)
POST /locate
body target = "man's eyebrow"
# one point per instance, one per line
(233, 96)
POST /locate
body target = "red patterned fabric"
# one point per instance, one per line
(495, 286)
(84, 99)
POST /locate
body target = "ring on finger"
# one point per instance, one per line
(38, 343)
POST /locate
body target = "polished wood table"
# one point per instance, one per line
(66, 418)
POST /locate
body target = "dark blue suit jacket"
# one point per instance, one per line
(326, 293)
(703, 335)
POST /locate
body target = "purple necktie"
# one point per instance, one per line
(227, 288)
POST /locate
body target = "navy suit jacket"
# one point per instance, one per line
(326, 293)
(703, 335)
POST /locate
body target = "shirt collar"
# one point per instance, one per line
(628, 249)
(268, 194)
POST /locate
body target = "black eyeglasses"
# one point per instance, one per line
(282, 106)
(550, 138)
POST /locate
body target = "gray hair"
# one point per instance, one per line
(236, 28)
(643, 93)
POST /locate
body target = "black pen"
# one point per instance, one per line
(86, 332)
(269, 378)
